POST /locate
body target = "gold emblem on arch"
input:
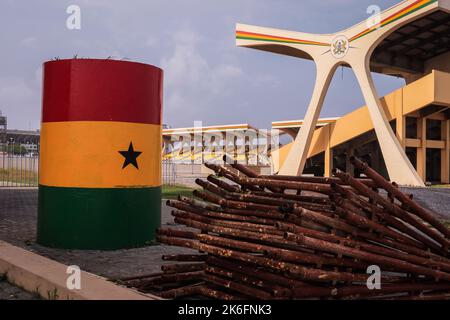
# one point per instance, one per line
(340, 47)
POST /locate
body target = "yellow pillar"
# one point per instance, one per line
(445, 153)
(401, 121)
(401, 130)
(193, 145)
(422, 150)
(328, 151)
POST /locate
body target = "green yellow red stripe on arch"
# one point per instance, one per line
(242, 35)
(415, 6)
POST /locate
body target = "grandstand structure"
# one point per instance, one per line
(292, 127)
(404, 135)
(419, 115)
(203, 144)
(23, 136)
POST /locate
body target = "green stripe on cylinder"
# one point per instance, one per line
(101, 219)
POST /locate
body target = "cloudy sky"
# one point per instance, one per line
(206, 77)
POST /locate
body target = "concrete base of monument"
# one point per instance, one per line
(53, 280)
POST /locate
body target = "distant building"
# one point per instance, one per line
(23, 136)
(3, 128)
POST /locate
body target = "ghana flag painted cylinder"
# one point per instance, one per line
(100, 155)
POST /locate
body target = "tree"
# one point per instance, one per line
(19, 150)
(16, 149)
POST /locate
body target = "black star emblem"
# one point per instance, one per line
(130, 156)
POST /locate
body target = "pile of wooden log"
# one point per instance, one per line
(297, 237)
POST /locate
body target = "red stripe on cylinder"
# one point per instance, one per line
(102, 90)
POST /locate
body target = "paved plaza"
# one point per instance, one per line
(18, 218)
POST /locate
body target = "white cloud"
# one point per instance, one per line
(191, 81)
(14, 89)
(206, 76)
(30, 42)
(226, 70)
(16, 94)
(185, 65)
(38, 76)
(151, 41)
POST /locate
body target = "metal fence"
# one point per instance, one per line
(19, 168)
(19, 165)
(185, 174)
(169, 172)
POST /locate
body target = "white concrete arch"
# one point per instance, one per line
(353, 47)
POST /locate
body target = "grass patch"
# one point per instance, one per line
(441, 186)
(172, 192)
(16, 176)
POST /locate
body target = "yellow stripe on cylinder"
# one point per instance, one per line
(86, 154)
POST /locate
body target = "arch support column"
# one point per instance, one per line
(296, 159)
(398, 165)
